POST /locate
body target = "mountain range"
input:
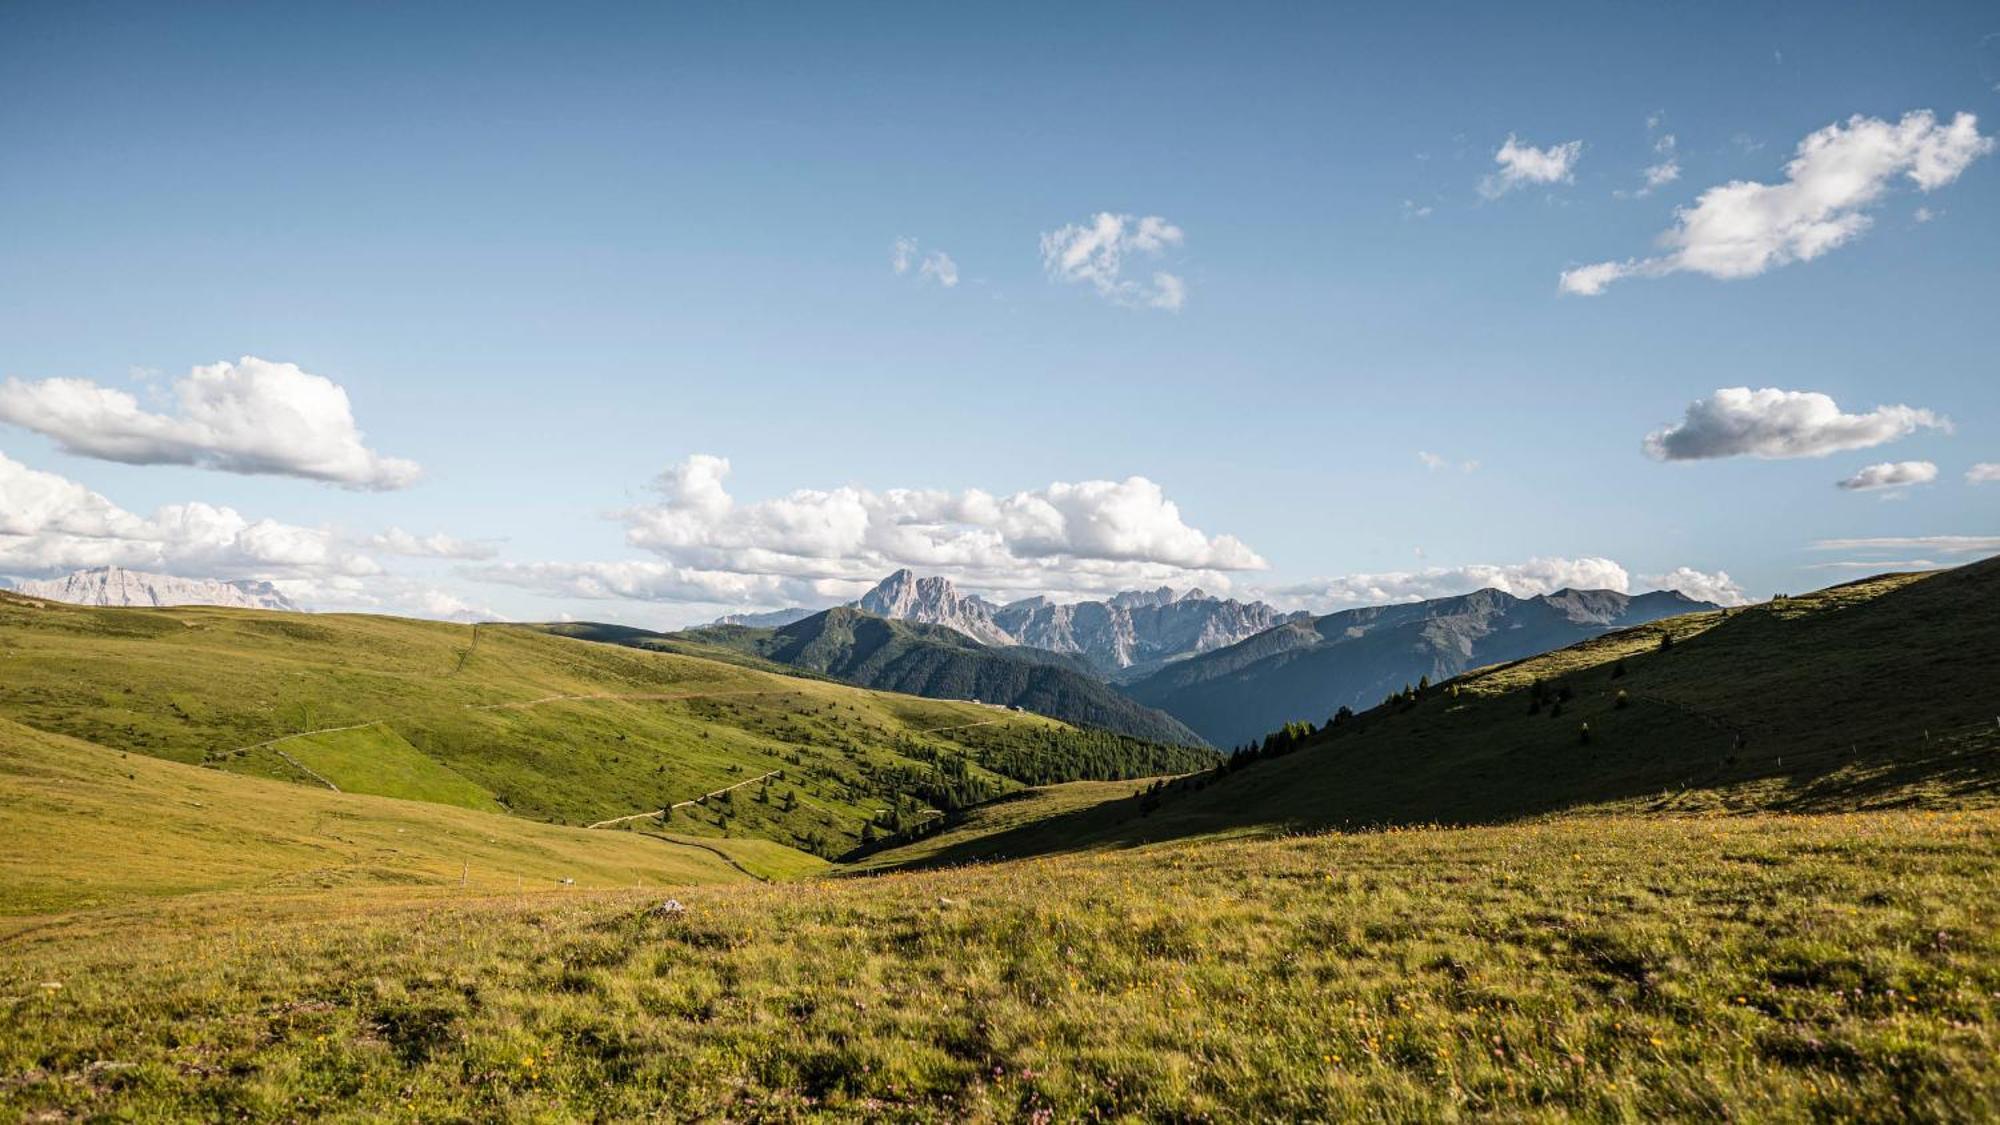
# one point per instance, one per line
(1121, 638)
(116, 586)
(859, 647)
(1308, 668)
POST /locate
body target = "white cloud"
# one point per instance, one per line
(1524, 164)
(819, 533)
(1414, 210)
(644, 580)
(1891, 474)
(251, 416)
(1717, 587)
(939, 267)
(1589, 281)
(50, 524)
(1875, 564)
(1434, 462)
(1773, 423)
(447, 606)
(1527, 579)
(1095, 254)
(815, 546)
(1743, 228)
(905, 254)
(396, 541)
(1666, 171)
(1925, 214)
(1947, 544)
(1986, 472)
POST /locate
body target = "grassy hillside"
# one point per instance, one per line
(1877, 693)
(928, 660)
(510, 718)
(1306, 670)
(82, 826)
(1754, 968)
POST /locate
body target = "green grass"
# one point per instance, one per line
(1632, 968)
(84, 827)
(377, 760)
(1020, 816)
(480, 717)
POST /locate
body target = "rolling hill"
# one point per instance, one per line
(85, 827)
(1308, 669)
(1878, 693)
(504, 718)
(929, 660)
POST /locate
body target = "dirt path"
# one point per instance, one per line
(304, 769)
(714, 851)
(635, 696)
(962, 726)
(304, 734)
(683, 804)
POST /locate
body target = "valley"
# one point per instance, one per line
(270, 865)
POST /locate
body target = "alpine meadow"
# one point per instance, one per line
(1046, 563)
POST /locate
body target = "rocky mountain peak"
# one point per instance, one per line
(116, 586)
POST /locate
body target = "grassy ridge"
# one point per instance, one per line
(84, 826)
(497, 717)
(1755, 967)
(1872, 694)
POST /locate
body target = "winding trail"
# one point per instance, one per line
(303, 734)
(683, 804)
(654, 696)
(305, 769)
(714, 851)
(961, 726)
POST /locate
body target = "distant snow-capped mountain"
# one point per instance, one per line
(1130, 633)
(770, 619)
(116, 586)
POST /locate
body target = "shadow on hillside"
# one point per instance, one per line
(1837, 702)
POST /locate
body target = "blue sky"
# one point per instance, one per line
(549, 254)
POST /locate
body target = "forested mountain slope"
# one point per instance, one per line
(929, 660)
(1306, 670)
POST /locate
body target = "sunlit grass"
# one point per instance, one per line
(1633, 968)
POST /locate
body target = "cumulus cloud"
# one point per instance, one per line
(825, 533)
(1772, 423)
(818, 546)
(1523, 164)
(251, 416)
(1717, 587)
(1743, 228)
(1095, 254)
(1891, 474)
(1986, 472)
(50, 524)
(396, 541)
(1523, 580)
